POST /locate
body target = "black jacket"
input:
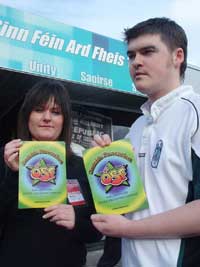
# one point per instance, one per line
(29, 240)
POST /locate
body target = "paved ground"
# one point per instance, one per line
(93, 257)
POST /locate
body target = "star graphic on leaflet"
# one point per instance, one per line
(113, 176)
(41, 172)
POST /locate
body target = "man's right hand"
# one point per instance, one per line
(11, 154)
(103, 140)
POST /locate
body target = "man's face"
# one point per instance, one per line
(153, 67)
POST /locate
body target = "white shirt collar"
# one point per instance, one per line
(154, 109)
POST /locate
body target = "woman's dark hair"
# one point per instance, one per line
(39, 95)
(170, 32)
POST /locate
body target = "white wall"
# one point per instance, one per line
(192, 77)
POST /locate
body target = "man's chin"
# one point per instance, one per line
(142, 89)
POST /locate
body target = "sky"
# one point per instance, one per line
(111, 17)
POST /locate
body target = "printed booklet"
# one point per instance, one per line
(114, 179)
(42, 174)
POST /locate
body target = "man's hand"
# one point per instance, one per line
(61, 214)
(111, 225)
(11, 154)
(103, 140)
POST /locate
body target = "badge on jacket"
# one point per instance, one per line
(156, 154)
(74, 193)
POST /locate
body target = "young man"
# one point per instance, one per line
(166, 141)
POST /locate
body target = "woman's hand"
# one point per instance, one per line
(11, 154)
(61, 214)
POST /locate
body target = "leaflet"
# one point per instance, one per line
(114, 179)
(42, 174)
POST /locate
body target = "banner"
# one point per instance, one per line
(33, 44)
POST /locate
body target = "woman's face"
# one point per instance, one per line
(46, 122)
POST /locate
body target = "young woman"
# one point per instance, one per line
(55, 236)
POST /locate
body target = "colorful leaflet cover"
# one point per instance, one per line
(42, 174)
(114, 178)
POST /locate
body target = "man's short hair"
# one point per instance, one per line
(170, 33)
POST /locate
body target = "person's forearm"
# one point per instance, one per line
(183, 221)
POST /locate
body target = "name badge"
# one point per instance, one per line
(75, 195)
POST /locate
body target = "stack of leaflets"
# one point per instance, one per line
(42, 174)
(114, 179)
